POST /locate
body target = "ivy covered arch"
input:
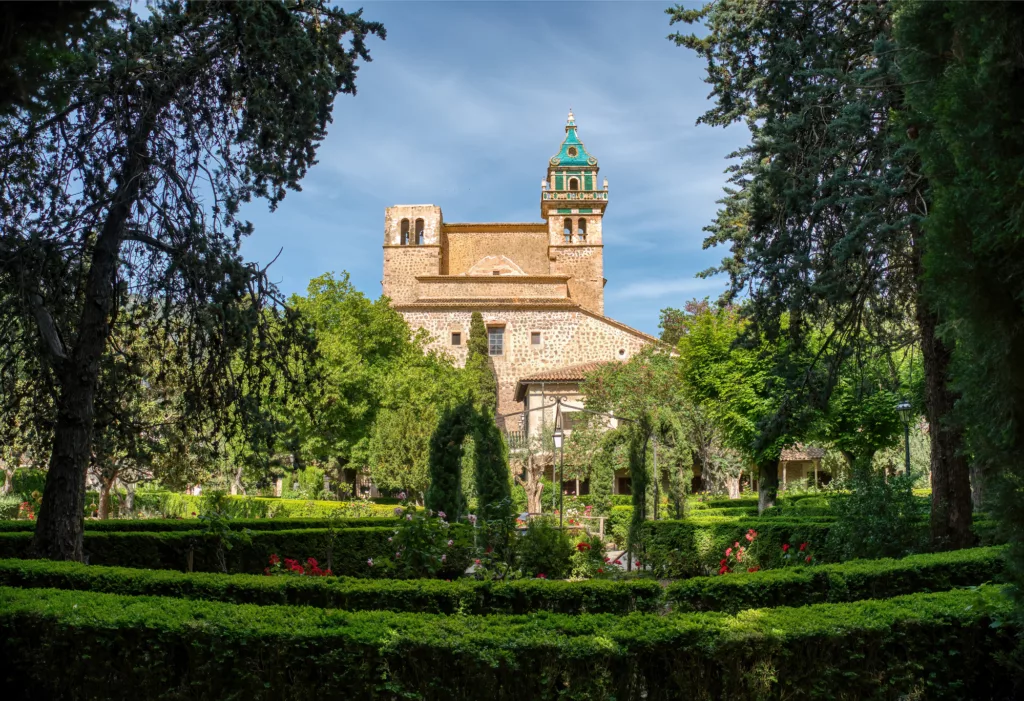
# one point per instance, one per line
(493, 486)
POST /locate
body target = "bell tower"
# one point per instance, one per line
(573, 205)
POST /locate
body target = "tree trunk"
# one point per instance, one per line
(951, 481)
(8, 480)
(732, 486)
(105, 486)
(767, 484)
(58, 533)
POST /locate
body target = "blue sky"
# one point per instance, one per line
(462, 106)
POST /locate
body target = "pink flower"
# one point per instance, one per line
(728, 552)
(370, 562)
(441, 514)
(401, 495)
(472, 519)
(398, 554)
(398, 511)
(476, 562)
(451, 543)
(542, 576)
(408, 517)
(444, 558)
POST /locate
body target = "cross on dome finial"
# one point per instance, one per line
(571, 118)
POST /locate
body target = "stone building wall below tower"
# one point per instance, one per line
(568, 336)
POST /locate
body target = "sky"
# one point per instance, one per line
(462, 106)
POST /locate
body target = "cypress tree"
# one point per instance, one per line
(483, 384)
(493, 485)
(445, 462)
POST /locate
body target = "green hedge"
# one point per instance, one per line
(60, 644)
(173, 505)
(424, 595)
(191, 524)
(694, 546)
(850, 581)
(347, 551)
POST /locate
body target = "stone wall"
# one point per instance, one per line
(584, 265)
(402, 265)
(507, 286)
(567, 337)
(465, 245)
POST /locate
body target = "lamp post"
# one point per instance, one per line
(905, 411)
(558, 436)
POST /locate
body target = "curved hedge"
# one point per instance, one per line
(863, 579)
(192, 524)
(59, 644)
(464, 596)
(850, 581)
(345, 549)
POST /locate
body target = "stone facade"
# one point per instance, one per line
(541, 283)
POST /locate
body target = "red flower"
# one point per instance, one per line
(476, 562)
(808, 558)
(274, 559)
(755, 568)
(637, 563)
(600, 570)
(785, 547)
(542, 576)
(723, 561)
(582, 546)
(723, 569)
(607, 559)
(803, 546)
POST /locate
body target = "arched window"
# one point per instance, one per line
(567, 231)
(574, 184)
(419, 232)
(405, 232)
(581, 232)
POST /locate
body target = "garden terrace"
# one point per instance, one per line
(60, 644)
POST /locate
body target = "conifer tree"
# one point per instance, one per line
(482, 382)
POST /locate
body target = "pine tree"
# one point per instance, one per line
(493, 482)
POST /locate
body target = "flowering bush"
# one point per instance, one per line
(544, 548)
(425, 545)
(740, 557)
(25, 510)
(289, 567)
(588, 559)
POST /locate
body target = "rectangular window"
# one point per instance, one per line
(535, 338)
(496, 340)
(456, 338)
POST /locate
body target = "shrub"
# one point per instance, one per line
(877, 519)
(850, 581)
(693, 547)
(345, 551)
(424, 544)
(10, 505)
(173, 505)
(464, 596)
(178, 524)
(58, 644)
(545, 550)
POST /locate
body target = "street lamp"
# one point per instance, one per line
(559, 437)
(906, 413)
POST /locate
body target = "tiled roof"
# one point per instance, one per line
(488, 302)
(801, 452)
(567, 373)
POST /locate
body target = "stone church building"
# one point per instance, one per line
(538, 285)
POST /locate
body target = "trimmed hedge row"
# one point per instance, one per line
(346, 550)
(864, 579)
(850, 581)
(177, 524)
(693, 547)
(59, 644)
(174, 505)
(463, 596)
